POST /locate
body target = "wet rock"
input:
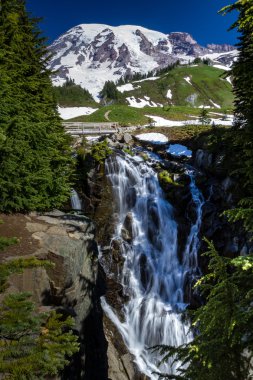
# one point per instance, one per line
(116, 251)
(232, 247)
(203, 159)
(208, 209)
(127, 229)
(227, 183)
(131, 197)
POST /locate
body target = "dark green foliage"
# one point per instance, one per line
(33, 346)
(223, 326)
(72, 95)
(128, 151)
(100, 151)
(168, 68)
(35, 163)
(243, 90)
(139, 76)
(134, 77)
(203, 117)
(206, 61)
(110, 92)
(197, 61)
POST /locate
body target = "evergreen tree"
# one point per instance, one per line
(35, 163)
(109, 91)
(203, 117)
(72, 95)
(33, 346)
(223, 342)
(243, 90)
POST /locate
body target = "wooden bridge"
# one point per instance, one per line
(79, 128)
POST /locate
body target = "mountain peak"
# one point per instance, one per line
(94, 53)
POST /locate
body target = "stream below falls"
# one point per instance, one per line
(153, 277)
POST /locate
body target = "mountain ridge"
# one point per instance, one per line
(94, 53)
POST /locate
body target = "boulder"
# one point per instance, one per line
(127, 138)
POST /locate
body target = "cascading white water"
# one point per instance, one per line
(152, 276)
(75, 201)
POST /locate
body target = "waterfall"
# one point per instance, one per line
(152, 275)
(75, 201)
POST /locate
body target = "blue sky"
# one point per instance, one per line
(197, 17)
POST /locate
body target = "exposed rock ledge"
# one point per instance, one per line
(73, 286)
(67, 241)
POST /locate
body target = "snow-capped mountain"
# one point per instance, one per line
(94, 53)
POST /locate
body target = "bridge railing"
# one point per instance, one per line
(82, 125)
(90, 132)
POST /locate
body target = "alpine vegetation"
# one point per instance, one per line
(35, 163)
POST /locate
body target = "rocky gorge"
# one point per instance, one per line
(219, 190)
(90, 263)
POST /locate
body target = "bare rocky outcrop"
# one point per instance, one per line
(71, 285)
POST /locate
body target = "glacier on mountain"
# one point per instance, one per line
(92, 54)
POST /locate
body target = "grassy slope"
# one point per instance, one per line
(126, 115)
(121, 113)
(207, 83)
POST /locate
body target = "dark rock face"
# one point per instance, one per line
(103, 50)
(145, 45)
(220, 190)
(124, 56)
(183, 43)
(223, 48)
(127, 229)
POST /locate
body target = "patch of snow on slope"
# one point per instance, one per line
(143, 80)
(222, 67)
(188, 80)
(222, 114)
(71, 112)
(179, 150)
(156, 138)
(229, 80)
(217, 56)
(169, 94)
(161, 122)
(141, 103)
(127, 87)
(215, 105)
(204, 106)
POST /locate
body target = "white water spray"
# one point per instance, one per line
(152, 276)
(75, 201)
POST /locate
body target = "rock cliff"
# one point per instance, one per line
(68, 241)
